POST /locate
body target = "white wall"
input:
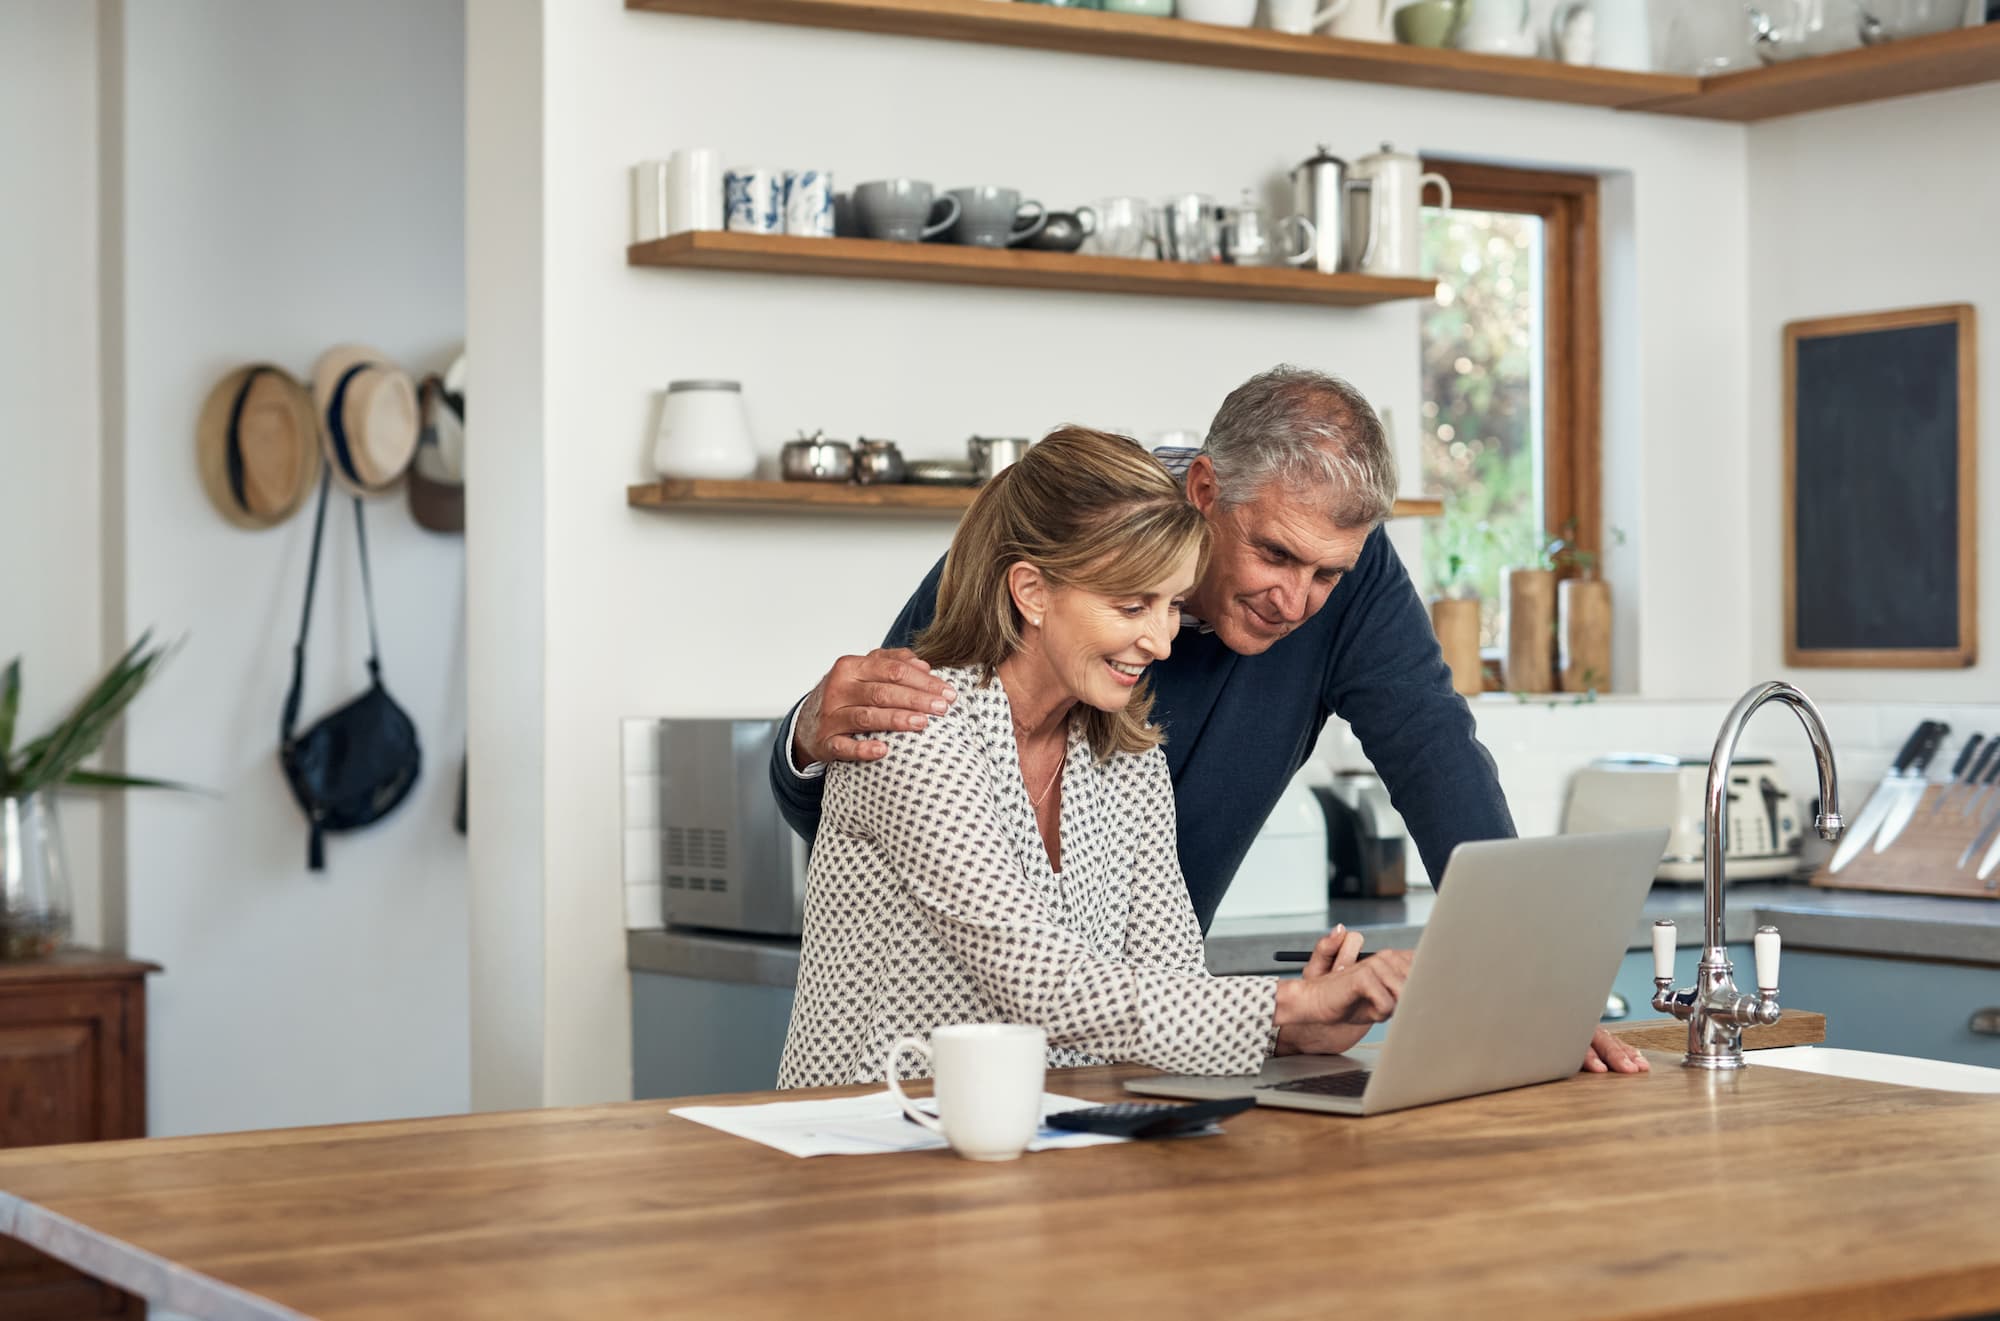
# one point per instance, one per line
(1860, 210)
(657, 615)
(293, 178)
(50, 494)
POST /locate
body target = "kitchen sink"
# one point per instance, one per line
(1871, 1066)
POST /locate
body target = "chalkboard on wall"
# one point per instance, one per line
(1881, 565)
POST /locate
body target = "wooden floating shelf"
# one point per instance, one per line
(1959, 58)
(1898, 68)
(715, 497)
(943, 263)
(1177, 41)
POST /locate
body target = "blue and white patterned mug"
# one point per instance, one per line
(809, 203)
(754, 201)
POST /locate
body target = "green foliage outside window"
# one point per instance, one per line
(1482, 382)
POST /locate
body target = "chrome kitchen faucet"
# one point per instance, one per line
(1715, 1010)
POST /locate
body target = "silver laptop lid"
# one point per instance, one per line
(1510, 976)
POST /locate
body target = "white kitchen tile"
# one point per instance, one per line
(641, 745)
(644, 908)
(642, 857)
(642, 802)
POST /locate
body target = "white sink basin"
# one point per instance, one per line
(1868, 1066)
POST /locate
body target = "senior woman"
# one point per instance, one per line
(1014, 860)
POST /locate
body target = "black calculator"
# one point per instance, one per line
(1140, 1119)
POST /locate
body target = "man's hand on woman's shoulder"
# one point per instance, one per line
(888, 689)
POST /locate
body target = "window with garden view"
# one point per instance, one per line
(1510, 380)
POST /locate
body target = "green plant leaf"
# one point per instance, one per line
(10, 707)
(52, 758)
(108, 780)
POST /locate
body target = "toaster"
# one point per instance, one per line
(1638, 792)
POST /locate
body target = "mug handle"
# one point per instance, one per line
(1558, 30)
(923, 1048)
(1443, 184)
(950, 219)
(1035, 226)
(1368, 245)
(1328, 14)
(1086, 219)
(1308, 236)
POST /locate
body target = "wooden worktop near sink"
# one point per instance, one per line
(1764, 1193)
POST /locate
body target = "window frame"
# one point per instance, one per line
(1572, 348)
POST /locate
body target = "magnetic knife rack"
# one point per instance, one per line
(1924, 858)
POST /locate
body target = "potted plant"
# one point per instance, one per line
(1455, 620)
(34, 871)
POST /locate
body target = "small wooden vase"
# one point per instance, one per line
(1456, 623)
(1531, 629)
(1583, 607)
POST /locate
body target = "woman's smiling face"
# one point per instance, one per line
(1096, 646)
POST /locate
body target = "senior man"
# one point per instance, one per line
(1305, 610)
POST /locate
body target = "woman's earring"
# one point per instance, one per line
(1036, 621)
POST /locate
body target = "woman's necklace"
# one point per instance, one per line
(1054, 775)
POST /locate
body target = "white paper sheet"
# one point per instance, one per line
(861, 1125)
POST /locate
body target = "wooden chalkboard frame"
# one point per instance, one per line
(1966, 651)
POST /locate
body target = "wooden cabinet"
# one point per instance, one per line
(72, 1069)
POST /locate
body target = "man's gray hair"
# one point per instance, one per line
(1314, 434)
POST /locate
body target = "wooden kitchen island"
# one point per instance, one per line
(1765, 1194)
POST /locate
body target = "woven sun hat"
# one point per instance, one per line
(437, 482)
(257, 445)
(367, 417)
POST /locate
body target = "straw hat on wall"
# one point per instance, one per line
(368, 417)
(257, 446)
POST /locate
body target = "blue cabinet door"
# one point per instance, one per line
(1897, 1006)
(692, 1036)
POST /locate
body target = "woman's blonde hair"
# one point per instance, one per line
(1088, 509)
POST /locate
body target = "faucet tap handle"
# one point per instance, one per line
(1765, 945)
(1664, 935)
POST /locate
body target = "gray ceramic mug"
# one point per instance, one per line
(990, 217)
(897, 209)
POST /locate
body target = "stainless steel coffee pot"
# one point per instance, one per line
(1320, 188)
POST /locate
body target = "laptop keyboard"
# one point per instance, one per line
(1352, 1083)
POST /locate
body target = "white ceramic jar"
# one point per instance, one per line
(704, 433)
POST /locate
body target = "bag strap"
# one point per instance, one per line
(292, 697)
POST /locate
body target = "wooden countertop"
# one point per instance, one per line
(1765, 1194)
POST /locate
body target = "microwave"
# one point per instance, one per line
(728, 861)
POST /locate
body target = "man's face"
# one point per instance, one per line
(1273, 560)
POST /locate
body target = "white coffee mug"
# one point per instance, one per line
(988, 1086)
(1301, 17)
(675, 195)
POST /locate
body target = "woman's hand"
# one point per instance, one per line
(1332, 1006)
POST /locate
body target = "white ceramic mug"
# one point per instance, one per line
(1301, 17)
(1226, 13)
(988, 1086)
(675, 195)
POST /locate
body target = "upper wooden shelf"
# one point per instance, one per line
(1959, 58)
(946, 263)
(699, 496)
(1177, 41)
(1897, 68)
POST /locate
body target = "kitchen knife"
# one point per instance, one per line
(1880, 803)
(1970, 776)
(1971, 807)
(1986, 832)
(1988, 863)
(1913, 787)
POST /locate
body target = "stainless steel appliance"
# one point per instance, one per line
(1635, 791)
(1320, 189)
(727, 859)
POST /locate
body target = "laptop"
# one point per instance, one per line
(1507, 986)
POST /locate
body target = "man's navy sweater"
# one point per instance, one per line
(1238, 727)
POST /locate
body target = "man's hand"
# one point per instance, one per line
(862, 695)
(1610, 1054)
(1613, 1055)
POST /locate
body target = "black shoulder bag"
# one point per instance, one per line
(356, 764)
